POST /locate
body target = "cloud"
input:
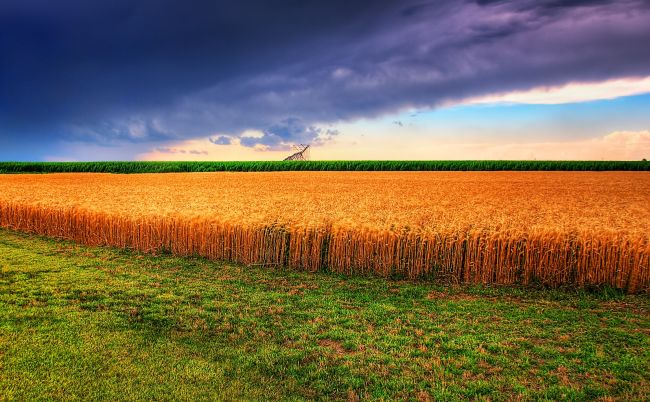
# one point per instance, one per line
(617, 145)
(108, 132)
(167, 150)
(138, 71)
(288, 132)
(570, 93)
(205, 149)
(221, 140)
(634, 144)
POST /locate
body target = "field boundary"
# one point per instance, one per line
(473, 257)
(275, 166)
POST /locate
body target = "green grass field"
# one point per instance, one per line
(269, 166)
(107, 324)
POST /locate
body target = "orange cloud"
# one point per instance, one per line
(619, 145)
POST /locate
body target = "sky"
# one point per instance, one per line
(247, 80)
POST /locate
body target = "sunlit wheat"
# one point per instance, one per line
(546, 228)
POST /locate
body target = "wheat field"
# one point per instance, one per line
(544, 228)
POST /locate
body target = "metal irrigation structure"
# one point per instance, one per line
(301, 154)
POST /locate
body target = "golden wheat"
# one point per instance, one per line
(550, 228)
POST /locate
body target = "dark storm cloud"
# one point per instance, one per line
(151, 70)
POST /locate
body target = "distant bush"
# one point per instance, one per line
(273, 166)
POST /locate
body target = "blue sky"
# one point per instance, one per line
(528, 122)
(144, 79)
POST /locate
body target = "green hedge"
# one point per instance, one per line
(271, 166)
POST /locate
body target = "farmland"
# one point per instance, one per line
(97, 323)
(570, 229)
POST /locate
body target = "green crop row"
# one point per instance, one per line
(272, 166)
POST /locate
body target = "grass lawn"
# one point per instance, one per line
(98, 323)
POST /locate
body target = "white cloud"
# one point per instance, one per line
(570, 93)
